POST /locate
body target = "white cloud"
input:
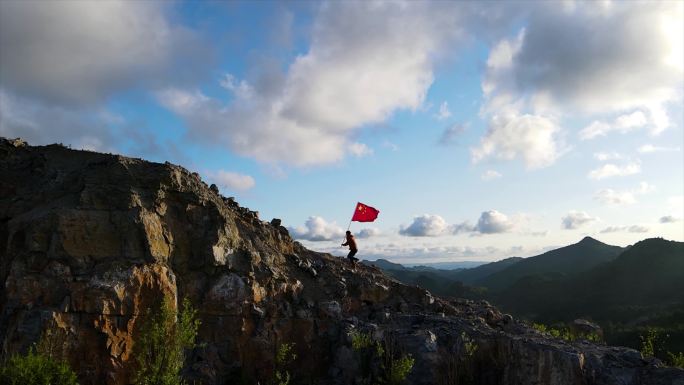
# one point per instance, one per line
(390, 145)
(610, 196)
(649, 148)
(626, 229)
(360, 150)
(317, 229)
(623, 124)
(530, 137)
(82, 52)
(490, 175)
(669, 219)
(645, 188)
(609, 170)
(241, 89)
(61, 62)
(92, 129)
(603, 156)
(368, 233)
(400, 253)
(492, 222)
(451, 134)
(444, 112)
(545, 71)
(231, 181)
(576, 219)
(365, 61)
(676, 203)
(426, 225)
(182, 102)
(464, 227)
(598, 75)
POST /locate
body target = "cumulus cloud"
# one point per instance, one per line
(545, 72)
(368, 233)
(426, 225)
(576, 219)
(451, 134)
(444, 112)
(669, 219)
(609, 170)
(623, 124)
(610, 196)
(81, 53)
(603, 156)
(626, 229)
(464, 227)
(360, 150)
(231, 180)
(62, 61)
(618, 41)
(41, 123)
(240, 88)
(392, 146)
(317, 229)
(649, 148)
(492, 222)
(365, 61)
(490, 175)
(534, 139)
(429, 253)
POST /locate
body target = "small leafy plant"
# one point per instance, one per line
(284, 357)
(161, 345)
(44, 363)
(394, 366)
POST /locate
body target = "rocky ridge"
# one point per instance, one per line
(89, 242)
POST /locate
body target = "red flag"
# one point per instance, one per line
(364, 213)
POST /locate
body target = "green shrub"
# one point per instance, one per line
(394, 366)
(360, 340)
(36, 369)
(676, 359)
(284, 357)
(160, 348)
(565, 333)
(649, 342)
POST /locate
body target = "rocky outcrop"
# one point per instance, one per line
(89, 242)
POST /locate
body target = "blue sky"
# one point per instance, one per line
(480, 130)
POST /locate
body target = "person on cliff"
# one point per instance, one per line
(351, 242)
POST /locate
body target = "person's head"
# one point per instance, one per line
(348, 232)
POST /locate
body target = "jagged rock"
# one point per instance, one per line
(276, 222)
(584, 327)
(89, 242)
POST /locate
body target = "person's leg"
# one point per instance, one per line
(351, 255)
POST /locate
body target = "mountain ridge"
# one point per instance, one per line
(89, 242)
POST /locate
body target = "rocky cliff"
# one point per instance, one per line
(89, 242)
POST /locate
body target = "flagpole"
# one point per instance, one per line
(350, 221)
(352, 217)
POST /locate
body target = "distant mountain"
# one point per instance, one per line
(470, 276)
(384, 264)
(648, 275)
(567, 260)
(449, 265)
(643, 286)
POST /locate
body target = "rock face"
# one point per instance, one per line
(89, 242)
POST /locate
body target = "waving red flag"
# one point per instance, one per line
(364, 213)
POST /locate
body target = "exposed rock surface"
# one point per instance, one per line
(88, 242)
